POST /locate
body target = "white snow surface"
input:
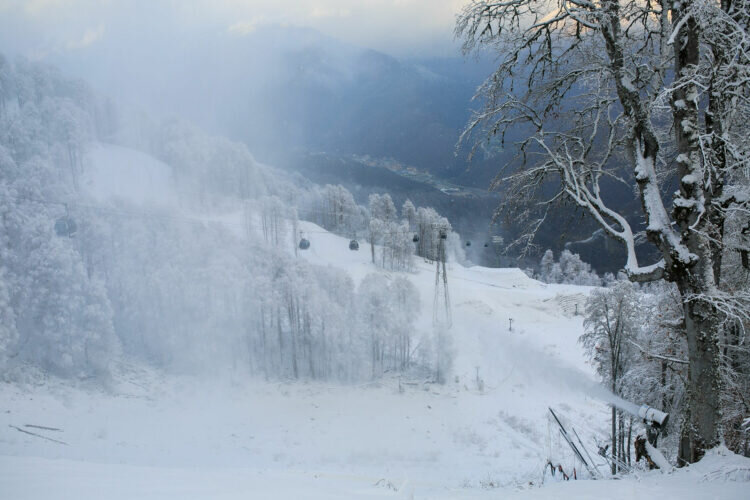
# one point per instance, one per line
(153, 436)
(126, 174)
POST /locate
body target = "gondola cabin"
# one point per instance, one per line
(65, 226)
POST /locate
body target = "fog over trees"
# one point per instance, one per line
(86, 284)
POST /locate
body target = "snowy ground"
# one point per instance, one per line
(151, 436)
(181, 438)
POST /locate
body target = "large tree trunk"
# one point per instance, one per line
(700, 429)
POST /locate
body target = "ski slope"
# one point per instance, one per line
(120, 173)
(484, 434)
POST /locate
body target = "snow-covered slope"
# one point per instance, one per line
(152, 436)
(123, 173)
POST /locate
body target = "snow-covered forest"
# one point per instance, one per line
(183, 315)
(87, 283)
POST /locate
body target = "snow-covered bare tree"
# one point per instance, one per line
(333, 208)
(382, 207)
(610, 324)
(273, 219)
(650, 96)
(397, 248)
(409, 213)
(386, 311)
(384, 230)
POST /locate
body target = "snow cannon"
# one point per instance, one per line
(653, 416)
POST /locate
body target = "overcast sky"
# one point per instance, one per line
(40, 28)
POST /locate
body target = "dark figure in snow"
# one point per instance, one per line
(641, 451)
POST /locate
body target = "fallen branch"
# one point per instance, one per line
(43, 427)
(37, 435)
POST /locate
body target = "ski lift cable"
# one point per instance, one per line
(336, 215)
(71, 228)
(145, 214)
(195, 220)
(112, 211)
(121, 212)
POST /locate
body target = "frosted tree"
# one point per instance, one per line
(403, 247)
(396, 246)
(660, 87)
(569, 270)
(340, 210)
(405, 298)
(386, 312)
(610, 324)
(6, 83)
(373, 308)
(376, 229)
(333, 207)
(273, 217)
(577, 272)
(444, 353)
(409, 213)
(382, 207)
(71, 126)
(8, 332)
(546, 265)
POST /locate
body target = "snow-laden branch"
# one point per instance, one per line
(733, 306)
(651, 355)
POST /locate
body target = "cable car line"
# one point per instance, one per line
(67, 226)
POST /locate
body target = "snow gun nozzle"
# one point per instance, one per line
(653, 416)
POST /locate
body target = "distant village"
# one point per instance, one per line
(415, 174)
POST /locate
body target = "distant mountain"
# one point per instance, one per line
(282, 89)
